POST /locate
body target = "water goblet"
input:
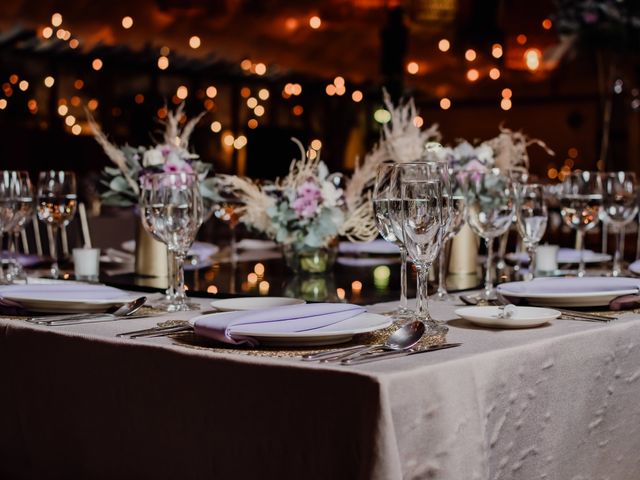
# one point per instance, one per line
(532, 217)
(620, 206)
(57, 202)
(23, 191)
(490, 210)
(8, 206)
(387, 208)
(581, 201)
(175, 215)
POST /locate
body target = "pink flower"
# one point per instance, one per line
(179, 166)
(307, 199)
(590, 17)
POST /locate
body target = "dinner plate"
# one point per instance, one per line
(565, 255)
(65, 298)
(523, 317)
(201, 249)
(569, 292)
(256, 244)
(253, 303)
(635, 267)
(331, 334)
(376, 247)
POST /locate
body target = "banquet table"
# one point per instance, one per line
(555, 402)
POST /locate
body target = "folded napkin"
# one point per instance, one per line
(288, 319)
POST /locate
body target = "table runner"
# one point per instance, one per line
(556, 402)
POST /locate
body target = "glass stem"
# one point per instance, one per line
(617, 258)
(171, 288)
(422, 309)
(442, 271)
(580, 242)
(488, 285)
(403, 279)
(53, 249)
(178, 277)
(531, 249)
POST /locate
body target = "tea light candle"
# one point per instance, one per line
(86, 263)
(547, 258)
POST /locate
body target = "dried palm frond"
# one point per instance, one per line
(300, 170)
(255, 201)
(511, 149)
(364, 175)
(173, 134)
(360, 224)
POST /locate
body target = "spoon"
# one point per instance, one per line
(124, 310)
(404, 337)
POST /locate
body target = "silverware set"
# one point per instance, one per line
(365, 354)
(126, 310)
(165, 328)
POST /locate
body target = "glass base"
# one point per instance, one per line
(401, 314)
(168, 306)
(443, 296)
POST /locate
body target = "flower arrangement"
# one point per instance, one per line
(170, 155)
(306, 209)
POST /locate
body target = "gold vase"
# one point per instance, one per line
(464, 253)
(151, 255)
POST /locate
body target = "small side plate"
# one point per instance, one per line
(253, 303)
(523, 317)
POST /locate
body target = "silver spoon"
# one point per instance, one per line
(404, 337)
(124, 310)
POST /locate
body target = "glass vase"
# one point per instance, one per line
(303, 259)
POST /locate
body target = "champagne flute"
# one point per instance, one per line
(581, 200)
(176, 215)
(423, 216)
(390, 227)
(620, 205)
(57, 201)
(490, 210)
(23, 191)
(8, 207)
(532, 217)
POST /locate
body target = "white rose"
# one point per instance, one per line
(485, 154)
(152, 158)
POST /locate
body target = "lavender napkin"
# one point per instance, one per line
(288, 319)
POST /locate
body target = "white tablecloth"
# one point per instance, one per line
(555, 402)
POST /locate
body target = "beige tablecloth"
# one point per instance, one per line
(555, 402)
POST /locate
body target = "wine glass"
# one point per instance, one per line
(490, 210)
(176, 215)
(532, 217)
(620, 205)
(57, 202)
(423, 207)
(8, 207)
(23, 191)
(387, 208)
(580, 201)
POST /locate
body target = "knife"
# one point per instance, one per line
(393, 354)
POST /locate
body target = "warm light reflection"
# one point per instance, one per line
(444, 45)
(340, 292)
(212, 289)
(263, 287)
(127, 22)
(252, 278)
(259, 269)
(356, 287)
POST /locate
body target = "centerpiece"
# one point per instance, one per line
(306, 211)
(169, 155)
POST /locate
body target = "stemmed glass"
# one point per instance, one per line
(57, 202)
(387, 207)
(421, 186)
(532, 217)
(23, 192)
(581, 200)
(175, 215)
(620, 205)
(490, 210)
(7, 208)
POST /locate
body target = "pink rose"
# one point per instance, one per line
(177, 166)
(307, 199)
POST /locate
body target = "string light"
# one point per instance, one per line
(245, 92)
(240, 142)
(56, 19)
(473, 75)
(245, 64)
(74, 43)
(444, 45)
(165, 51)
(546, 24)
(76, 129)
(211, 91)
(494, 73)
(212, 289)
(496, 50)
(315, 22)
(182, 92)
(263, 94)
(506, 93)
(260, 69)
(49, 81)
(356, 96)
(470, 55)
(356, 286)
(505, 104)
(382, 115)
(258, 111)
(316, 144)
(263, 287)
(216, 126)
(139, 99)
(23, 85)
(78, 84)
(228, 140)
(521, 39)
(252, 123)
(13, 79)
(96, 64)
(194, 42)
(3, 104)
(163, 63)
(127, 22)
(532, 58)
(413, 68)
(63, 110)
(92, 104)
(70, 120)
(418, 121)
(252, 102)
(75, 101)
(445, 103)
(340, 292)
(47, 32)
(331, 90)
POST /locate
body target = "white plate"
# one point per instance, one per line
(201, 249)
(523, 317)
(635, 267)
(569, 292)
(66, 298)
(366, 262)
(565, 255)
(332, 334)
(376, 247)
(253, 303)
(256, 244)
